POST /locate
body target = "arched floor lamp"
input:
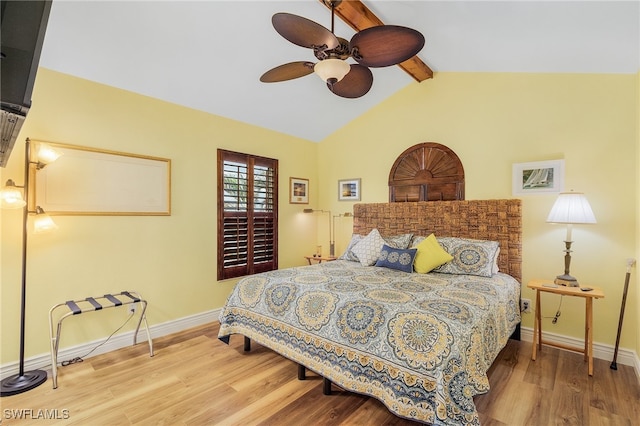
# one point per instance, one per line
(332, 227)
(11, 198)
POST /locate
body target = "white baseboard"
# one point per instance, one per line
(600, 351)
(43, 361)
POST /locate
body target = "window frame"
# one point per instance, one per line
(256, 220)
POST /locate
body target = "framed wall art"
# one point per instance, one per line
(349, 190)
(298, 190)
(538, 177)
(92, 181)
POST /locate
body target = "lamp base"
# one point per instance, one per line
(16, 384)
(566, 280)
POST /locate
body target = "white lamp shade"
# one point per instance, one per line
(11, 196)
(571, 207)
(46, 154)
(332, 68)
(43, 223)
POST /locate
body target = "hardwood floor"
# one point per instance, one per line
(194, 379)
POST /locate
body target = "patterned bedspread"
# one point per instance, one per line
(420, 343)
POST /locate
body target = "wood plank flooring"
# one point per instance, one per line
(194, 379)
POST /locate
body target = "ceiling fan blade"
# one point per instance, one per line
(303, 32)
(359, 17)
(287, 72)
(356, 83)
(385, 45)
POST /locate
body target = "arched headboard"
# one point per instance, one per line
(427, 171)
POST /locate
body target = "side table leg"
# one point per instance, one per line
(537, 332)
(588, 350)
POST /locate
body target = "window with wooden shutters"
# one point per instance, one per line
(247, 214)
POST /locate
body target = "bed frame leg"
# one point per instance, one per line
(326, 386)
(516, 333)
(247, 344)
(302, 372)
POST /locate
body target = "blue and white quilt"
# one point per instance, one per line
(420, 343)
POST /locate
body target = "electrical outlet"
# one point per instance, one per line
(131, 308)
(525, 305)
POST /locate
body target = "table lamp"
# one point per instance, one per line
(570, 208)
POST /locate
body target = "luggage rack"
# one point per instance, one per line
(90, 304)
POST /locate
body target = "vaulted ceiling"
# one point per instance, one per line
(209, 55)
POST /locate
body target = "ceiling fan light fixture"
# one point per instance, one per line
(332, 70)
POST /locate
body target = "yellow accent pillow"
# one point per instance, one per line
(430, 255)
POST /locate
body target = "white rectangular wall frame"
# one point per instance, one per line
(90, 181)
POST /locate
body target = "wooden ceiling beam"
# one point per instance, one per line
(359, 17)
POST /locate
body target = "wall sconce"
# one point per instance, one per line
(570, 208)
(11, 198)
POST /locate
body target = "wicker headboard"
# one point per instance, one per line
(495, 220)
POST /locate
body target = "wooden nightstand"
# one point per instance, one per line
(319, 259)
(549, 287)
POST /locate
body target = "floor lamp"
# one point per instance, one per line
(333, 231)
(331, 243)
(11, 198)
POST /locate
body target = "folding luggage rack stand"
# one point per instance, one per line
(77, 307)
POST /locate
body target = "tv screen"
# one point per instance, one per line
(23, 25)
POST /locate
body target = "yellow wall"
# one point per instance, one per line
(490, 120)
(493, 120)
(636, 275)
(170, 260)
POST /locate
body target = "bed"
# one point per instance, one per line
(421, 343)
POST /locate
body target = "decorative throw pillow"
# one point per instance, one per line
(348, 253)
(398, 241)
(430, 255)
(394, 258)
(368, 248)
(470, 257)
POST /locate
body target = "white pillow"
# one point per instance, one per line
(368, 248)
(348, 253)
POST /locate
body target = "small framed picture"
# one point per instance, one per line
(538, 177)
(349, 190)
(298, 191)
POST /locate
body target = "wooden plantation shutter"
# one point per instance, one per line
(247, 214)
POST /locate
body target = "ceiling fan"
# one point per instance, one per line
(379, 46)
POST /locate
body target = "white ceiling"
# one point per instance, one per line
(209, 55)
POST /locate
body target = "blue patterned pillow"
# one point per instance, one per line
(400, 259)
(398, 241)
(470, 257)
